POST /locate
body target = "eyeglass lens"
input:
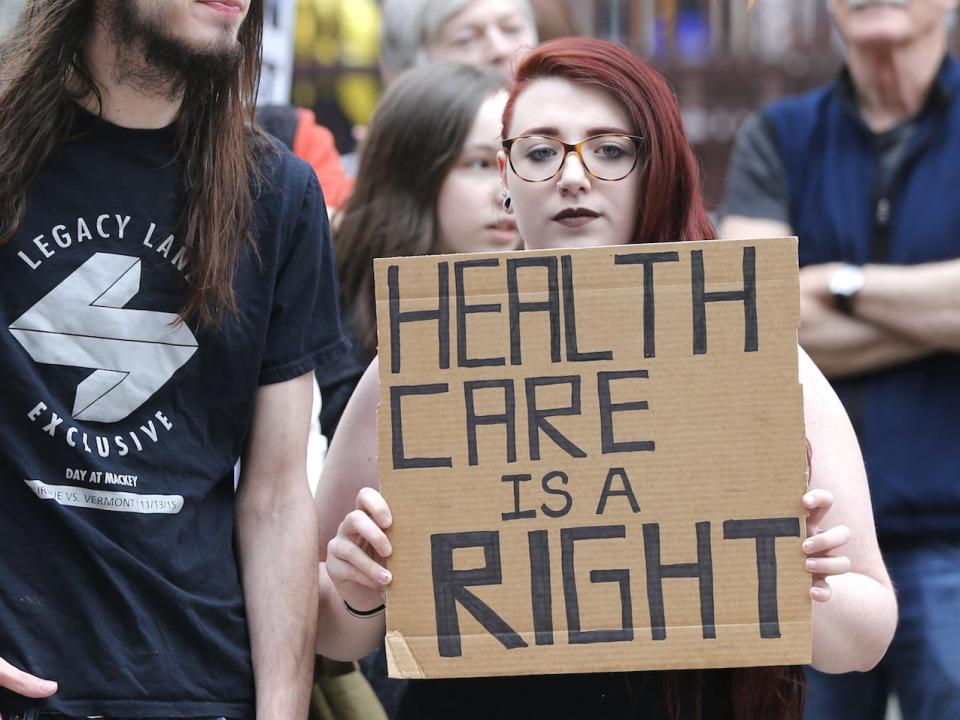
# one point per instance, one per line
(608, 157)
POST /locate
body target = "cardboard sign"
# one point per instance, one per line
(594, 459)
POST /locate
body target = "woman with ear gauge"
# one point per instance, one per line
(427, 183)
(594, 154)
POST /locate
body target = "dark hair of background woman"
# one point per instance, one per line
(671, 208)
(414, 140)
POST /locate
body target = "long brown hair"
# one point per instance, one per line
(671, 208)
(43, 73)
(414, 140)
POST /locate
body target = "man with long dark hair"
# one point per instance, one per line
(166, 290)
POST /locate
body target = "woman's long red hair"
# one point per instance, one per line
(671, 208)
(671, 202)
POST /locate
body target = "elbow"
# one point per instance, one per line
(856, 640)
(870, 658)
(883, 635)
(950, 339)
(938, 329)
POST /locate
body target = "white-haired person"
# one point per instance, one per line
(485, 33)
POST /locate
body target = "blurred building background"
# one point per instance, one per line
(724, 59)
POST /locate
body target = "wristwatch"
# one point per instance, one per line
(844, 284)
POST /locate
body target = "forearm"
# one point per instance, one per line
(844, 346)
(919, 302)
(852, 631)
(351, 461)
(340, 635)
(277, 539)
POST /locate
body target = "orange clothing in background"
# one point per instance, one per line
(314, 143)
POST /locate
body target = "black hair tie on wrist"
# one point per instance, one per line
(365, 613)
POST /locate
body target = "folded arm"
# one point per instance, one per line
(871, 338)
(917, 302)
(845, 345)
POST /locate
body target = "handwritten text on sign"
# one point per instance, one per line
(594, 459)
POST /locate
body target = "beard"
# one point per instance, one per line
(159, 63)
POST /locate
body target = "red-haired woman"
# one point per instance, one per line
(595, 154)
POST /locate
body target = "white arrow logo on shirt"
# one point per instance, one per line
(82, 323)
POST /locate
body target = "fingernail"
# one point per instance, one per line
(387, 521)
(808, 545)
(384, 577)
(811, 564)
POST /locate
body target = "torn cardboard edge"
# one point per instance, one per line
(402, 662)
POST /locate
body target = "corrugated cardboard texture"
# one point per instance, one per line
(614, 526)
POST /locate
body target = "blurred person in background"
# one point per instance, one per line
(428, 183)
(864, 171)
(493, 34)
(298, 129)
(486, 33)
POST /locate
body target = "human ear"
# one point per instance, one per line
(502, 168)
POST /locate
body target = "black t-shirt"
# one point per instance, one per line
(338, 380)
(121, 426)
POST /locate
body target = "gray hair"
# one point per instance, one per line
(408, 25)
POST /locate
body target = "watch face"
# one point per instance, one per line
(846, 280)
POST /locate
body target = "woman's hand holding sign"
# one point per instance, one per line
(819, 547)
(353, 555)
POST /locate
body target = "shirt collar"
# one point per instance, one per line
(946, 84)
